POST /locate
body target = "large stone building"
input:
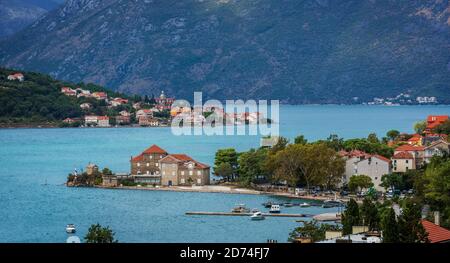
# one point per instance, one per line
(156, 166)
(180, 169)
(361, 163)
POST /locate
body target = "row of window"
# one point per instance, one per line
(183, 173)
(148, 164)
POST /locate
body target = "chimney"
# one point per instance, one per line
(437, 218)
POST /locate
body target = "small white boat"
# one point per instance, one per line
(70, 229)
(288, 204)
(275, 209)
(257, 216)
(305, 205)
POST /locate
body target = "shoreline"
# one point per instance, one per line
(219, 190)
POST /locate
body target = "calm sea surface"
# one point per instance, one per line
(31, 211)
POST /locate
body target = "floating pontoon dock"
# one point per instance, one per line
(244, 214)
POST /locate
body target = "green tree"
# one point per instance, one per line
(300, 140)
(350, 217)
(372, 138)
(393, 180)
(389, 227)
(99, 234)
(410, 226)
(280, 145)
(229, 156)
(251, 165)
(106, 171)
(224, 170)
(436, 188)
(420, 126)
(312, 230)
(392, 134)
(359, 182)
(443, 128)
(369, 214)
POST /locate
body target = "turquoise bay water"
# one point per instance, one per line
(33, 212)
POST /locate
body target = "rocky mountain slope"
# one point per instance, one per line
(17, 14)
(298, 51)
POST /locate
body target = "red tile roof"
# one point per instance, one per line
(138, 158)
(408, 148)
(184, 158)
(382, 158)
(102, 118)
(403, 155)
(154, 149)
(437, 118)
(436, 234)
(416, 137)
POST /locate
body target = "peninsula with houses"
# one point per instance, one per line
(37, 100)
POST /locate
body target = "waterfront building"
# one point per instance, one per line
(103, 121)
(145, 167)
(90, 120)
(156, 166)
(163, 102)
(180, 169)
(122, 120)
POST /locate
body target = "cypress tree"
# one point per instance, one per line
(390, 227)
(350, 217)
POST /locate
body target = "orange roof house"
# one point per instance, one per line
(435, 120)
(409, 148)
(403, 155)
(436, 234)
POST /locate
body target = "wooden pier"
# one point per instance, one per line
(244, 214)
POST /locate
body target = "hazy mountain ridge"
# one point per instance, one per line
(296, 51)
(17, 14)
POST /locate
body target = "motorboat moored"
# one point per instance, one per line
(275, 209)
(305, 204)
(257, 216)
(241, 208)
(71, 229)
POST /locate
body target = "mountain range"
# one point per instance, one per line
(17, 14)
(297, 51)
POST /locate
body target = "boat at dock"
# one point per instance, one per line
(288, 204)
(268, 204)
(305, 204)
(332, 203)
(257, 216)
(275, 209)
(241, 208)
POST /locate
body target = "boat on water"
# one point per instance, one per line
(305, 204)
(71, 229)
(255, 210)
(257, 216)
(332, 203)
(268, 204)
(275, 209)
(241, 208)
(288, 204)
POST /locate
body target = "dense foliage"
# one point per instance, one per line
(99, 234)
(38, 99)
